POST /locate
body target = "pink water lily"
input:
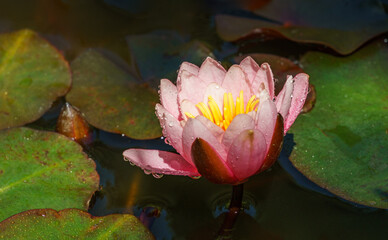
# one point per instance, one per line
(225, 125)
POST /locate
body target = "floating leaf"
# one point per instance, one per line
(32, 75)
(351, 24)
(40, 169)
(342, 143)
(159, 54)
(72, 224)
(111, 99)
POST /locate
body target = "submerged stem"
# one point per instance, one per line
(226, 229)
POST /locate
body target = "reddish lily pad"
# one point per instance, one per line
(159, 54)
(342, 143)
(40, 169)
(72, 224)
(32, 75)
(341, 25)
(112, 99)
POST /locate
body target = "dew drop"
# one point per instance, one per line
(195, 177)
(170, 124)
(166, 141)
(157, 175)
(147, 172)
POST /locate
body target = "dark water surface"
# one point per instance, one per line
(275, 206)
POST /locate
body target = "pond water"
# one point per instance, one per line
(276, 205)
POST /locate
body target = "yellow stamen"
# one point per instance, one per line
(215, 110)
(250, 103)
(253, 105)
(189, 115)
(205, 111)
(212, 111)
(231, 105)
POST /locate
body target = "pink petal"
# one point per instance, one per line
(275, 145)
(189, 67)
(250, 67)
(169, 97)
(213, 128)
(211, 71)
(240, 123)
(235, 81)
(190, 87)
(299, 94)
(195, 129)
(161, 162)
(283, 100)
(214, 90)
(246, 154)
(171, 127)
(266, 118)
(264, 75)
(210, 164)
(188, 106)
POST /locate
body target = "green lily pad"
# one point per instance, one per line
(159, 54)
(72, 224)
(32, 75)
(351, 24)
(342, 143)
(112, 99)
(40, 169)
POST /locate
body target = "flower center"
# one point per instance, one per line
(212, 112)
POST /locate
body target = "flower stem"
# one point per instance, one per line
(226, 229)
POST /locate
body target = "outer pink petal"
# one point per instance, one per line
(283, 100)
(235, 81)
(171, 127)
(266, 118)
(299, 94)
(162, 162)
(250, 67)
(264, 75)
(214, 129)
(195, 129)
(188, 106)
(247, 153)
(211, 71)
(217, 92)
(240, 123)
(190, 87)
(189, 67)
(169, 97)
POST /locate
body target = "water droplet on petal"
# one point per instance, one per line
(170, 124)
(195, 177)
(157, 175)
(147, 172)
(166, 141)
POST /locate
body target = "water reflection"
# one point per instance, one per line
(275, 207)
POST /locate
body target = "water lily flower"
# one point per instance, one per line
(225, 125)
